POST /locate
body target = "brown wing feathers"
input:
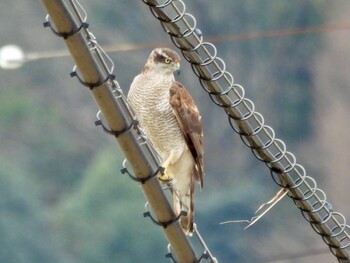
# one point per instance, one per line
(190, 124)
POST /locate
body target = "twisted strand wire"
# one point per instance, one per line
(261, 139)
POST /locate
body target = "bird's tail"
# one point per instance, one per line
(184, 201)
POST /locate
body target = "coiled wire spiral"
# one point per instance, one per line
(250, 125)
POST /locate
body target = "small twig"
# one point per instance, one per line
(271, 203)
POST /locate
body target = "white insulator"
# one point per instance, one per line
(11, 57)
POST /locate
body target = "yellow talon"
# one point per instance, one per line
(164, 175)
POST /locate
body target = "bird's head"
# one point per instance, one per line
(163, 61)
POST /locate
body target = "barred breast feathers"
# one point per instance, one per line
(149, 98)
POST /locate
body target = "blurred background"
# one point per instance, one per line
(62, 196)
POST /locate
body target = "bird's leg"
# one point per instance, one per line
(165, 175)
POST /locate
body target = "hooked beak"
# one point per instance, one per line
(178, 70)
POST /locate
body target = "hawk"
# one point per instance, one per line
(172, 123)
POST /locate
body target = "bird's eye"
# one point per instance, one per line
(167, 60)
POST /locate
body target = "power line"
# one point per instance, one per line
(281, 33)
(241, 37)
(297, 255)
(10, 58)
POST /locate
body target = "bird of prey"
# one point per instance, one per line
(172, 123)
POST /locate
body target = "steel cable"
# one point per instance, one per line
(250, 125)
